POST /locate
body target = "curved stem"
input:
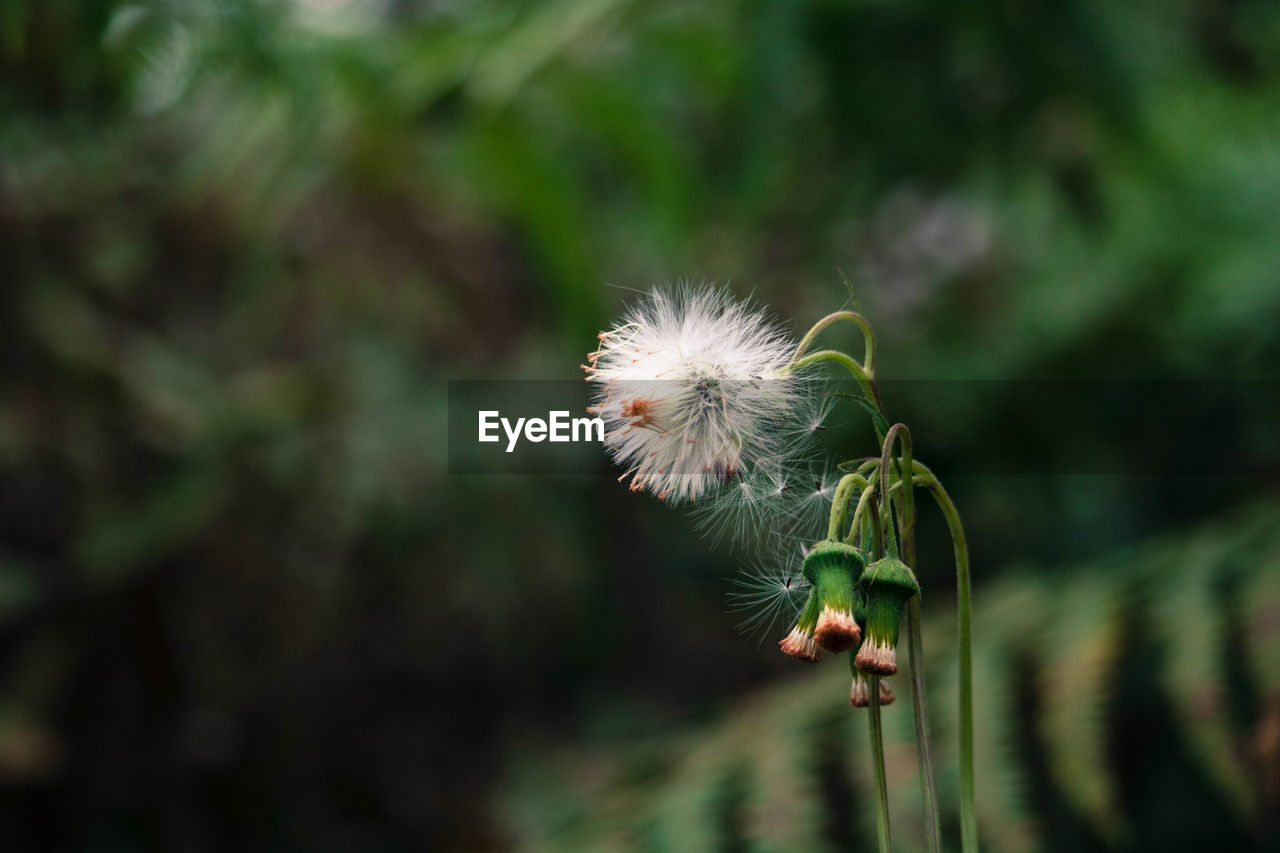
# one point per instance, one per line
(869, 464)
(905, 472)
(877, 765)
(868, 337)
(902, 435)
(869, 389)
(840, 503)
(865, 501)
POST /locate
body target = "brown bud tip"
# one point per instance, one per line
(837, 631)
(800, 645)
(877, 658)
(860, 693)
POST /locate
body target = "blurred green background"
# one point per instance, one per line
(244, 606)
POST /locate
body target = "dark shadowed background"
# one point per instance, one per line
(245, 245)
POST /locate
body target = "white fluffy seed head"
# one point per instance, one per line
(696, 395)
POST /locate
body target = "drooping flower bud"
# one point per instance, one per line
(833, 569)
(887, 584)
(860, 692)
(800, 643)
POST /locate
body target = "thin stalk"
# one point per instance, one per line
(869, 492)
(864, 501)
(877, 532)
(868, 465)
(902, 435)
(859, 373)
(876, 729)
(915, 639)
(875, 726)
(920, 711)
(868, 337)
(968, 818)
(840, 504)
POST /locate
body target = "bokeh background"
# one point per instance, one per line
(244, 605)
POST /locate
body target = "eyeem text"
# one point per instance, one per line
(557, 427)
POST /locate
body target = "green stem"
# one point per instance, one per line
(900, 433)
(869, 491)
(915, 638)
(877, 528)
(877, 763)
(840, 504)
(864, 501)
(868, 465)
(920, 710)
(868, 336)
(875, 727)
(968, 818)
(859, 372)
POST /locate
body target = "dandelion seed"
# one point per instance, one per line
(815, 417)
(763, 499)
(767, 594)
(812, 504)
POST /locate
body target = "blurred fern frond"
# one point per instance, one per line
(1112, 698)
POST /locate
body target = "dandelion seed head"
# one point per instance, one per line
(696, 395)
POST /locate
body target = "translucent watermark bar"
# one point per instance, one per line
(1162, 428)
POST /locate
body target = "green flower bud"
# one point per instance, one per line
(800, 643)
(833, 569)
(888, 584)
